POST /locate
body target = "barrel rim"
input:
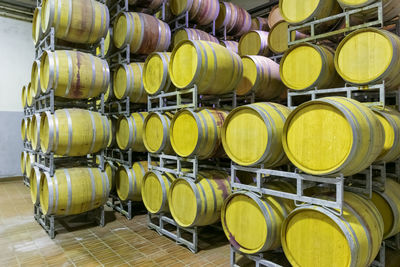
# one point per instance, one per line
(344, 41)
(36, 14)
(330, 215)
(126, 40)
(46, 145)
(122, 168)
(197, 196)
(165, 132)
(165, 77)
(47, 82)
(223, 135)
(131, 132)
(45, 181)
(35, 192)
(258, 201)
(199, 132)
(35, 80)
(22, 161)
(291, 49)
(331, 171)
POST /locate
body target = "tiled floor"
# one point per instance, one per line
(120, 243)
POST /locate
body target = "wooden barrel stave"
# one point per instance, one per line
(274, 17)
(73, 132)
(192, 34)
(231, 45)
(73, 74)
(391, 8)
(73, 191)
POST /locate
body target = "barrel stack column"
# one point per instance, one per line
(334, 92)
(66, 130)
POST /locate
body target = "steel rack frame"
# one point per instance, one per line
(29, 111)
(379, 21)
(348, 91)
(258, 259)
(48, 221)
(49, 42)
(26, 181)
(159, 222)
(47, 162)
(178, 163)
(124, 208)
(123, 157)
(393, 242)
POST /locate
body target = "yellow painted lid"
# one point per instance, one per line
(184, 133)
(249, 76)
(182, 203)
(120, 82)
(244, 223)
(152, 193)
(301, 67)
(154, 75)
(297, 11)
(278, 37)
(389, 134)
(178, 6)
(120, 30)
(44, 72)
(44, 193)
(355, 3)
(385, 210)
(311, 237)
(122, 183)
(45, 15)
(122, 133)
(250, 44)
(184, 64)
(317, 137)
(245, 136)
(153, 133)
(364, 56)
(44, 132)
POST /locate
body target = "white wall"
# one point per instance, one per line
(16, 57)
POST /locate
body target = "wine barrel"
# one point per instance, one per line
(73, 132)
(29, 95)
(35, 131)
(391, 8)
(112, 122)
(254, 43)
(388, 204)
(307, 66)
(24, 126)
(128, 81)
(197, 133)
(23, 159)
(390, 121)
(235, 19)
(73, 191)
(156, 136)
(35, 79)
(108, 45)
(30, 161)
(278, 37)
(28, 129)
(274, 16)
(313, 234)
(199, 203)
(252, 134)
(34, 183)
(155, 188)
(369, 56)
(77, 21)
(298, 12)
(203, 12)
(155, 73)
(231, 45)
(339, 135)
(111, 169)
(253, 224)
(192, 34)
(73, 74)
(128, 181)
(143, 33)
(151, 4)
(261, 76)
(24, 96)
(130, 132)
(259, 24)
(213, 68)
(37, 32)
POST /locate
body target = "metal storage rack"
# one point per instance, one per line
(364, 184)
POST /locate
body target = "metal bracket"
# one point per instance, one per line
(258, 260)
(124, 208)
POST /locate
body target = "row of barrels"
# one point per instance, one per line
(251, 223)
(329, 136)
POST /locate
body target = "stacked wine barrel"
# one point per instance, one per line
(73, 79)
(326, 137)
